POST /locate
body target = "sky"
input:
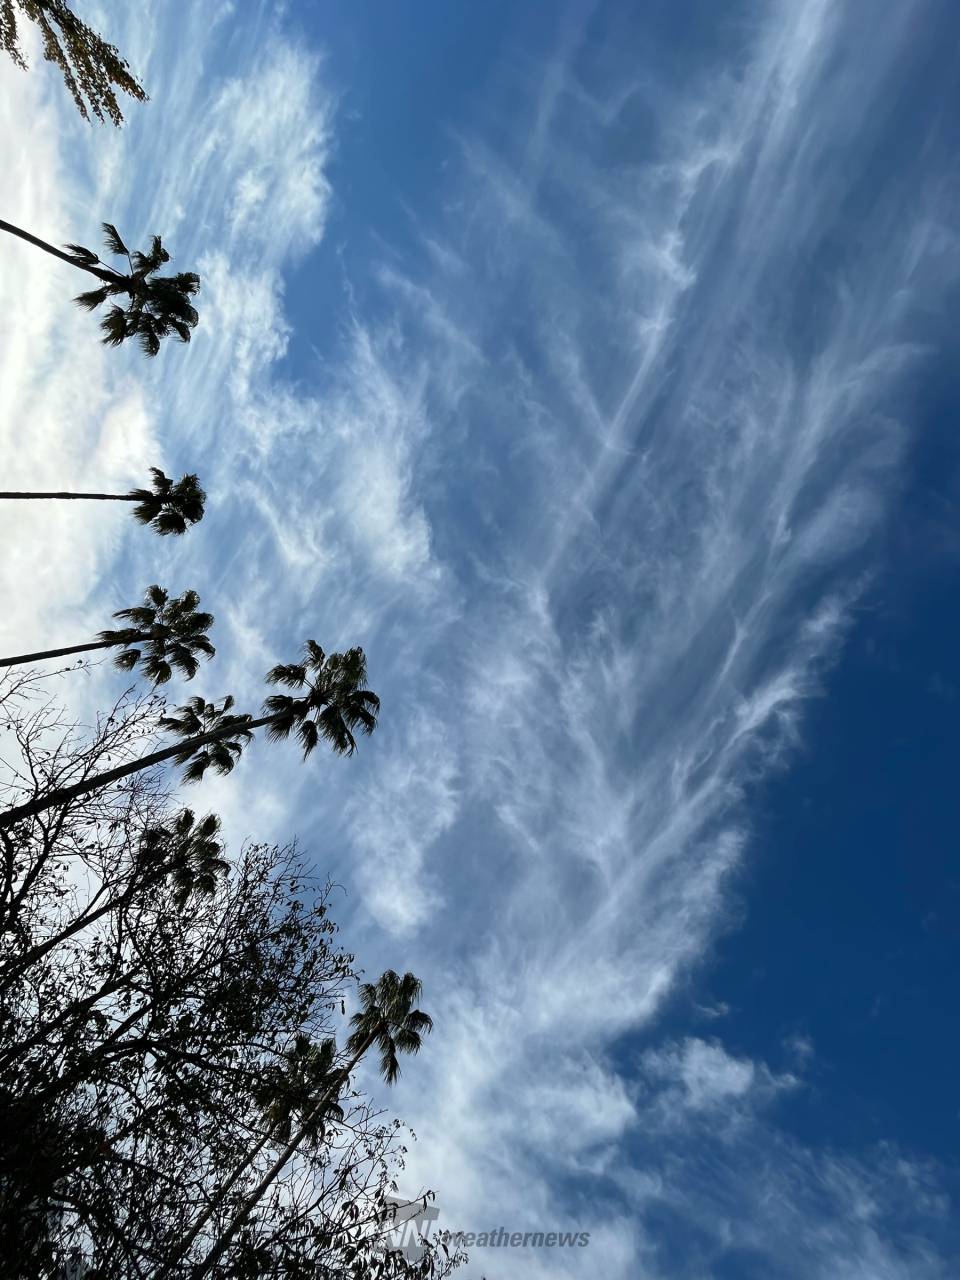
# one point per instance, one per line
(591, 365)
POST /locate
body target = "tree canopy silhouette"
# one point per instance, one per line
(171, 1035)
(166, 507)
(155, 306)
(92, 68)
(166, 635)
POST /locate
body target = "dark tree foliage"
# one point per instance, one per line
(92, 69)
(155, 306)
(169, 506)
(164, 1013)
(166, 635)
(333, 708)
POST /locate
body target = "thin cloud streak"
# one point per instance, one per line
(639, 657)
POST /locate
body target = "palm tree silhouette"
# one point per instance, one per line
(334, 707)
(387, 1019)
(167, 506)
(213, 737)
(155, 306)
(290, 1089)
(89, 65)
(165, 635)
(188, 852)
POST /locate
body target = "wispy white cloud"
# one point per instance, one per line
(672, 547)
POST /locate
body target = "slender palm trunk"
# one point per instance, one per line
(215, 1203)
(64, 794)
(109, 277)
(21, 658)
(256, 1195)
(95, 497)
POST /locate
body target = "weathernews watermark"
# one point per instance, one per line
(416, 1227)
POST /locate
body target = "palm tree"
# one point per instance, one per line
(155, 306)
(334, 707)
(187, 852)
(289, 1089)
(90, 66)
(388, 1019)
(334, 703)
(167, 507)
(283, 1092)
(165, 634)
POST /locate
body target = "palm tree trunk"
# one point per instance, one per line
(211, 1209)
(250, 1203)
(64, 794)
(108, 277)
(20, 658)
(99, 497)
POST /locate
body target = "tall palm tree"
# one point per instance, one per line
(167, 506)
(284, 1092)
(289, 1088)
(155, 306)
(388, 1019)
(165, 634)
(334, 707)
(90, 66)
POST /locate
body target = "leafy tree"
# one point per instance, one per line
(388, 1020)
(165, 635)
(334, 705)
(155, 306)
(92, 69)
(166, 507)
(168, 1023)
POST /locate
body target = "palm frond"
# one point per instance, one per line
(315, 655)
(162, 484)
(157, 669)
(93, 298)
(141, 616)
(309, 736)
(289, 674)
(111, 238)
(127, 660)
(114, 327)
(169, 522)
(201, 643)
(149, 341)
(186, 282)
(184, 661)
(83, 256)
(334, 730)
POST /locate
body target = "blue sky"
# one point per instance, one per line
(591, 365)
